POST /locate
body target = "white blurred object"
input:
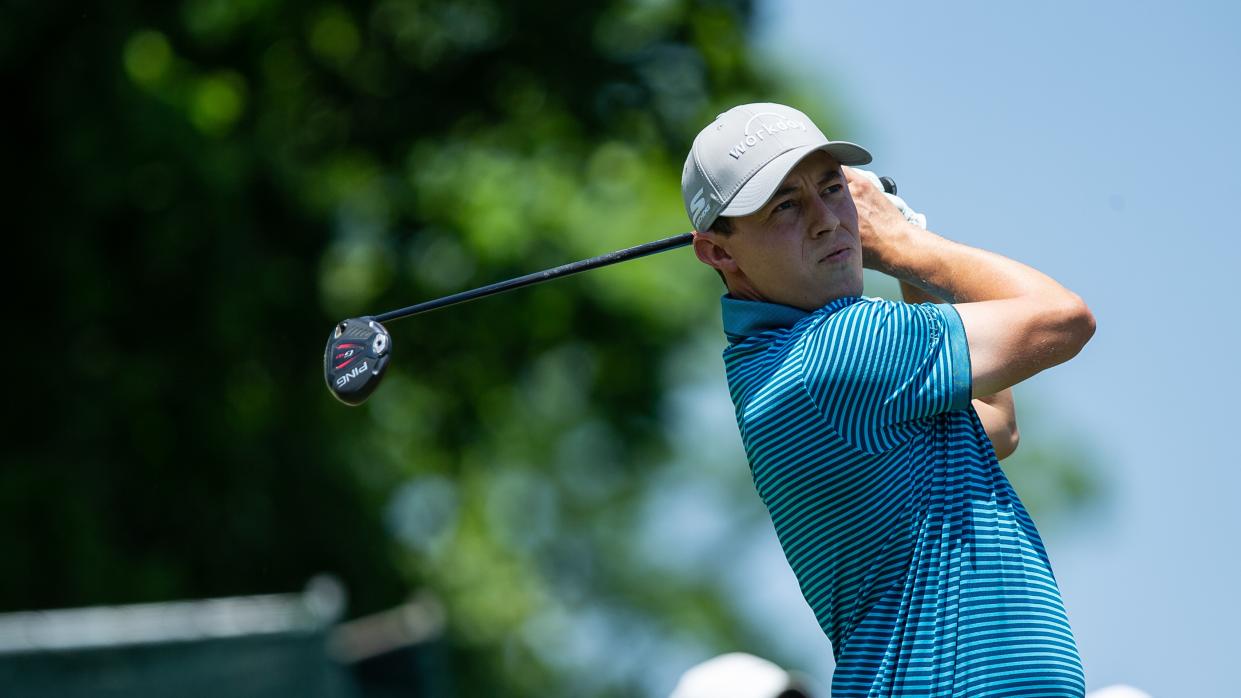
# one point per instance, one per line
(65, 629)
(734, 675)
(910, 215)
(1118, 691)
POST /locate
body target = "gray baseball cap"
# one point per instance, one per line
(738, 161)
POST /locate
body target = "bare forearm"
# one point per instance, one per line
(952, 271)
(959, 273)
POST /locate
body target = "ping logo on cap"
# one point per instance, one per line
(766, 127)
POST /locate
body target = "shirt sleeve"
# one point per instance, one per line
(877, 368)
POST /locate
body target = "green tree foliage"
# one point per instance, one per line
(201, 188)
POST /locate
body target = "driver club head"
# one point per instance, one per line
(356, 357)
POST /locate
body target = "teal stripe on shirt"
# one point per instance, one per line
(920, 563)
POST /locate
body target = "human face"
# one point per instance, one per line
(801, 248)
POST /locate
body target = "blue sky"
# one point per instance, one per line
(1097, 142)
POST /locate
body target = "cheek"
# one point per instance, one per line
(769, 264)
(847, 213)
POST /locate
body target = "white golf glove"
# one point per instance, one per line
(910, 215)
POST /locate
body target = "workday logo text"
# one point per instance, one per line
(769, 124)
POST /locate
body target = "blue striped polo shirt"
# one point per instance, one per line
(911, 547)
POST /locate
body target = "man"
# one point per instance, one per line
(874, 428)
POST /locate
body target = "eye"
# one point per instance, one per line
(784, 205)
(833, 189)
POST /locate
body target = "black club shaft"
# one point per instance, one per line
(889, 185)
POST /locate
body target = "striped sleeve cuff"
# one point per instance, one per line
(959, 357)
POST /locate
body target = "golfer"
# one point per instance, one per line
(874, 428)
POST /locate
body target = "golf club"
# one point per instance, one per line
(359, 349)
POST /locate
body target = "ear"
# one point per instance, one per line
(711, 253)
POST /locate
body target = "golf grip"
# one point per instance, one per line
(889, 185)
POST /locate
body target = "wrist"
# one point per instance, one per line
(889, 252)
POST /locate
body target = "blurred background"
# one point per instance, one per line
(548, 497)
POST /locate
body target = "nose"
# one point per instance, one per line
(823, 219)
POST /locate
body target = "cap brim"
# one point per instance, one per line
(758, 190)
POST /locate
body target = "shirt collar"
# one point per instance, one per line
(744, 318)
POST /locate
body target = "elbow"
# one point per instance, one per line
(1006, 445)
(1078, 326)
(1085, 323)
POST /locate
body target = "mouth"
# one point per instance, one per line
(837, 255)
